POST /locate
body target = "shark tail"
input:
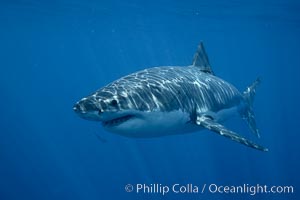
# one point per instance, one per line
(248, 114)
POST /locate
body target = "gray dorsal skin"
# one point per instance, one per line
(201, 60)
(170, 100)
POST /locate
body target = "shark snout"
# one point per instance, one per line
(87, 109)
(86, 105)
(77, 108)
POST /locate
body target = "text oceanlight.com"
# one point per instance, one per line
(177, 188)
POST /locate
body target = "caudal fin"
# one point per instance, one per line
(248, 113)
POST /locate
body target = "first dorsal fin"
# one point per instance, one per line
(201, 60)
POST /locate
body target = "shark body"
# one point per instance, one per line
(170, 100)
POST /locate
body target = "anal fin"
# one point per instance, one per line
(210, 124)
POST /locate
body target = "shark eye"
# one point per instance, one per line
(114, 103)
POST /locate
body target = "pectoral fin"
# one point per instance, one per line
(210, 124)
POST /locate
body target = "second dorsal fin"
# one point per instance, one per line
(201, 60)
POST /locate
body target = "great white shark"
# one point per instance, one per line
(170, 100)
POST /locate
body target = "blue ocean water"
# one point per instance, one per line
(53, 53)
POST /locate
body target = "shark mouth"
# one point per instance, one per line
(117, 121)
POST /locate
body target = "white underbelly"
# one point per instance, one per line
(156, 124)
